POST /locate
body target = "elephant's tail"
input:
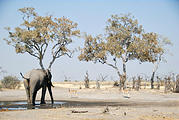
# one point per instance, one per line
(24, 77)
(28, 80)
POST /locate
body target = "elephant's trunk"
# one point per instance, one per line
(50, 92)
(51, 84)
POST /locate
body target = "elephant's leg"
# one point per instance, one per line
(27, 89)
(50, 92)
(28, 96)
(33, 97)
(43, 95)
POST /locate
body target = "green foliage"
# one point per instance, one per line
(10, 82)
(36, 33)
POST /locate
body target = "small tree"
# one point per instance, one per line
(177, 84)
(86, 80)
(124, 40)
(38, 33)
(158, 53)
(103, 77)
(10, 82)
(158, 82)
(66, 78)
(97, 84)
(133, 82)
(138, 83)
(169, 85)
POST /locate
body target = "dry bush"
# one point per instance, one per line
(97, 84)
(116, 84)
(169, 84)
(177, 84)
(10, 82)
(136, 82)
(158, 82)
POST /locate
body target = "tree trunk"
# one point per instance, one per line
(156, 64)
(152, 80)
(123, 80)
(120, 81)
(41, 63)
(138, 84)
(133, 83)
(50, 65)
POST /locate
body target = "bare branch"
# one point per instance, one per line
(33, 54)
(58, 56)
(111, 65)
(45, 49)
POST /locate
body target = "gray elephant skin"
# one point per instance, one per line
(34, 80)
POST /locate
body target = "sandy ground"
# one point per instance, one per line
(125, 105)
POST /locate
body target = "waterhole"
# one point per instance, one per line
(22, 105)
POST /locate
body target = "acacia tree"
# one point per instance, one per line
(124, 40)
(37, 34)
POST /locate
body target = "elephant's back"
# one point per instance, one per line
(37, 76)
(37, 73)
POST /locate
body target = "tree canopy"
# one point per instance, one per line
(124, 40)
(37, 33)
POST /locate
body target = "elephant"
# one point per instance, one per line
(33, 81)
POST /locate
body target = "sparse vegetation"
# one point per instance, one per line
(126, 85)
(177, 84)
(10, 82)
(66, 78)
(97, 84)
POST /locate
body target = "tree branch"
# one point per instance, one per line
(111, 65)
(33, 54)
(45, 49)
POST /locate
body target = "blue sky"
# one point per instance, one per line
(161, 16)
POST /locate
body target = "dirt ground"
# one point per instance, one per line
(145, 104)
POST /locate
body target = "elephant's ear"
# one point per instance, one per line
(49, 76)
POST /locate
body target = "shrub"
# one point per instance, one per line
(10, 82)
(116, 84)
(0, 87)
(177, 84)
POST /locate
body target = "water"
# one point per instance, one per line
(22, 105)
